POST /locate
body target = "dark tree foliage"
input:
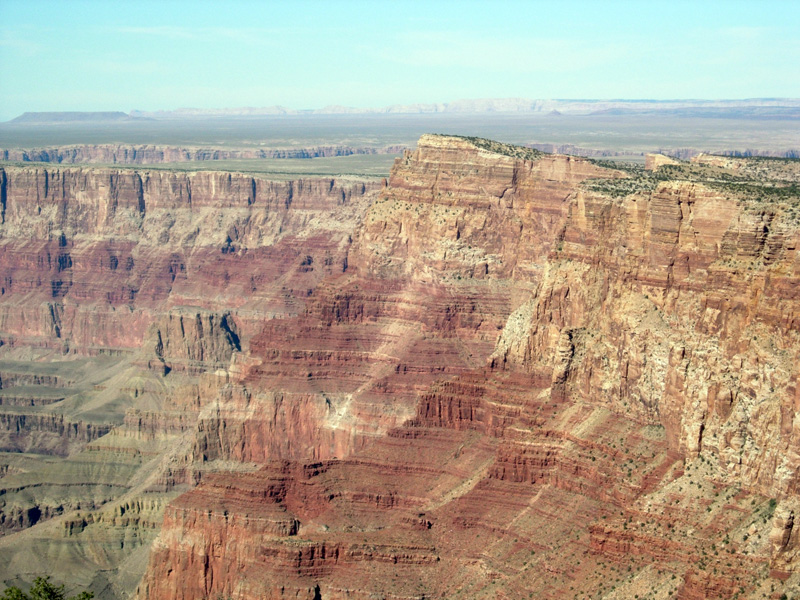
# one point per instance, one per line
(42, 589)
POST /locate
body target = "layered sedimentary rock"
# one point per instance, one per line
(429, 283)
(151, 154)
(122, 294)
(614, 413)
(90, 257)
(59, 434)
(518, 375)
(666, 319)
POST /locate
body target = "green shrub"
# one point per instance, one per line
(42, 589)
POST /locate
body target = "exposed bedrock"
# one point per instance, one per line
(45, 433)
(91, 257)
(521, 385)
(498, 376)
(194, 340)
(678, 309)
(152, 154)
(124, 298)
(444, 255)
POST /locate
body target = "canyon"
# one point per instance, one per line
(148, 154)
(499, 373)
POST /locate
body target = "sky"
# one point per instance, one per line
(71, 55)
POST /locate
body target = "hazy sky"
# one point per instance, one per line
(71, 55)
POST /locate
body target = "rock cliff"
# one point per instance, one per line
(609, 408)
(147, 154)
(80, 246)
(122, 293)
(512, 375)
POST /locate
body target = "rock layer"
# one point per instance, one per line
(518, 375)
(618, 422)
(122, 294)
(151, 154)
(91, 257)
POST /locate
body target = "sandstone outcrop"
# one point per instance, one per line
(122, 294)
(617, 424)
(516, 375)
(91, 257)
(653, 161)
(151, 154)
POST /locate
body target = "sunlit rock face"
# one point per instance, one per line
(505, 374)
(125, 297)
(149, 154)
(91, 256)
(537, 378)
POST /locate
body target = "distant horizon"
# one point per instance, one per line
(490, 106)
(88, 55)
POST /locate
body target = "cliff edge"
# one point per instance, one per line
(500, 374)
(542, 374)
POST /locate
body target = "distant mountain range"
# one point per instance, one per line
(754, 108)
(75, 117)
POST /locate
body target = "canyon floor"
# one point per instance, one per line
(496, 373)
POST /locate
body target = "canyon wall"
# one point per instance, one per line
(501, 374)
(148, 154)
(123, 293)
(679, 309)
(91, 257)
(151, 154)
(609, 406)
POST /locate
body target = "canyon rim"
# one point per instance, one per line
(497, 373)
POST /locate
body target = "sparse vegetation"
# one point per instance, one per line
(42, 589)
(619, 165)
(774, 183)
(501, 148)
(358, 165)
(619, 188)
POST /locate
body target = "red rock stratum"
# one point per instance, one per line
(518, 375)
